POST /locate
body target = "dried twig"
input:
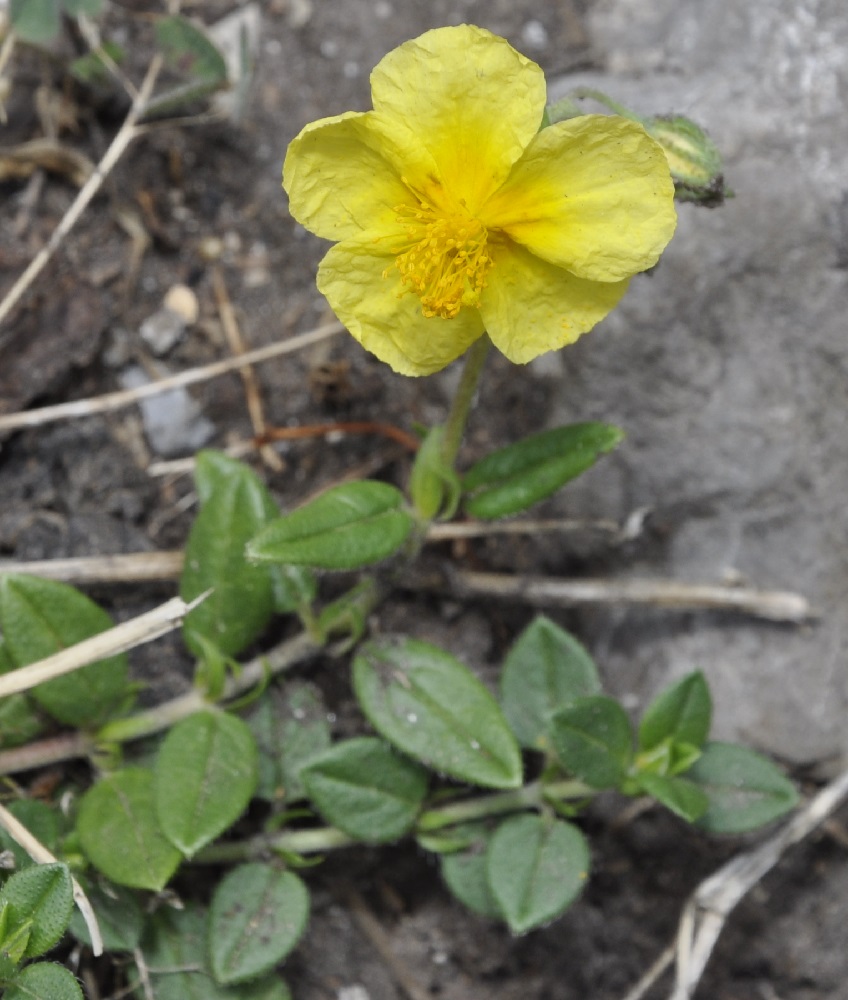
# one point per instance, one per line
(111, 401)
(707, 911)
(119, 144)
(252, 393)
(39, 853)
(119, 639)
(778, 606)
(371, 927)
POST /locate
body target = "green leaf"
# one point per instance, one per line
(434, 486)
(43, 981)
(257, 916)
(593, 740)
(545, 669)
(433, 708)
(20, 722)
(119, 916)
(536, 868)
(42, 894)
(120, 833)
(42, 617)
(682, 713)
(514, 478)
(290, 728)
(465, 874)
(236, 505)
(35, 21)
(176, 953)
(682, 797)
(349, 526)
(206, 773)
(41, 821)
(366, 789)
(745, 790)
(190, 51)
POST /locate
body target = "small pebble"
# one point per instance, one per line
(535, 35)
(162, 330)
(182, 300)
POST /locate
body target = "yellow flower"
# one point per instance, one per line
(454, 214)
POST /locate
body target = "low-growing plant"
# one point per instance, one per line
(247, 775)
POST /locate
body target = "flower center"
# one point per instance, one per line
(444, 260)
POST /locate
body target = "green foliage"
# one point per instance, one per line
(39, 898)
(512, 479)
(434, 487)
(257, 916)
(44, 981)
(120, 832)
(41, 821)
(366, 789)
(433, 708)
(535, 868)
(546, 669)
(189, 50)
(593, 739)
(465, 872)
(235, 506)
(744, 789)
(42, 617)
(176, 950)
(290, 729)
(349, 526)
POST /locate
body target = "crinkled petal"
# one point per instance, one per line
(469, 98)
(591, 194)
(531, 306)
(343, 176)
(384, 316)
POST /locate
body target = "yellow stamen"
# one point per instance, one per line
(444, 261)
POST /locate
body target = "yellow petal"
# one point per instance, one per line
(342, 176)
(469, 98)
(530, 306)
(384, 316)
(591, 194)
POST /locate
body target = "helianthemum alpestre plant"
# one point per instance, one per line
(456, 213)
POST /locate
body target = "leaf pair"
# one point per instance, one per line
(137, 824)
(527, 872)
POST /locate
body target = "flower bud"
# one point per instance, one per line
(693, 159)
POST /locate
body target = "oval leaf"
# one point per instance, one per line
(682, 797)
(257, 916)
(366, 789)
(236, 505)
(44, 981)
(35, 21)
(535, 869)
(593, 740)
(290, 728)
(512, 479)
(120, 834)
(745, 790)
(44, 895)
(206, 772)
(43, 617)
(682, 713)
(433, 708)
(465, 874)
(546, 669)
(176, 952)
(352, 525)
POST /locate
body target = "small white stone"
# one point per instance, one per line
(534, 35)
(355, 992)
(182, 300)
(330, 48)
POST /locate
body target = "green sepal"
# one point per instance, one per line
(434, 486)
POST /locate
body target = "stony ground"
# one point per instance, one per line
(728, 368)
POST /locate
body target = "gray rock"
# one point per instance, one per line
(728, 367)
(173, 422)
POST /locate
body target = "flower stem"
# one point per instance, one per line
(464, 398)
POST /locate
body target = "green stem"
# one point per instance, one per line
(328, 838)
(464, 398)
